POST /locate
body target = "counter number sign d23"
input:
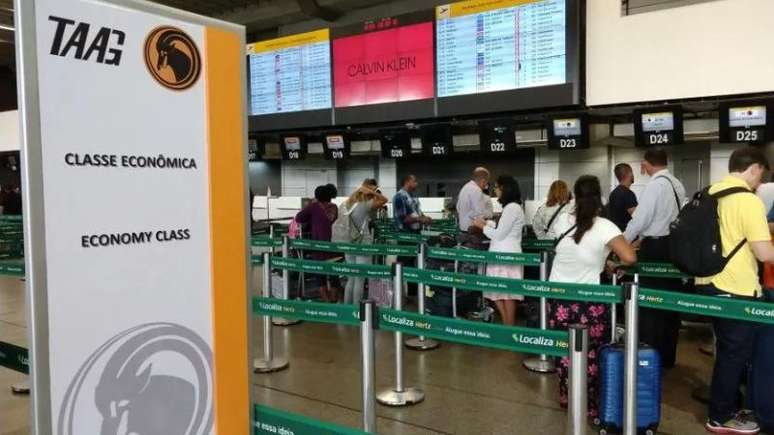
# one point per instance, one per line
(568, 133)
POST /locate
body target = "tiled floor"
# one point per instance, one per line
(469, 390)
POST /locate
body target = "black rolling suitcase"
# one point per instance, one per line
(439, 300)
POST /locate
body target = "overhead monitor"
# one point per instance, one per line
(290, 81)
(746, 122)
(503, 55)
(395, 143)
(568, 132)
(293, 146)
(437, 140)
(383, 70)
(336, 145)
(497, 136)
(659, 126)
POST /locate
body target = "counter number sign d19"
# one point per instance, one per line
(568, 133)
(336, 146)
(293, 147)
(658, 127)
(744, 122)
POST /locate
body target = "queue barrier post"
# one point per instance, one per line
(278, 321)
(454, 289)
(577, 408)
(613, 312)
(399, 395)
(631, 357)
(269, 363)
(421, 343)
(368, 316)
(542, 364)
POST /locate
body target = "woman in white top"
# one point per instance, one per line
(557, 203)
(586, 241)
(505, 236)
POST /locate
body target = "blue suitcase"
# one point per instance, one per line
(611, 390)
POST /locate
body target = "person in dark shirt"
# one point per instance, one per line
(622, 201)
(11, 200)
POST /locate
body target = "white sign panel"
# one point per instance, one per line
(136, 219)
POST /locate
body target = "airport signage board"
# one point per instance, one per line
(660, 126)
(568, 132)
(135, 160)
(745, 122)
(437, 140)
(293, 146)
(395, 143)
(497, 136)
(336, 145)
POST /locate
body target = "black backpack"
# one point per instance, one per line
(694, 238)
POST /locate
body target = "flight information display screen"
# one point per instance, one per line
(290, 74)
(496, 45)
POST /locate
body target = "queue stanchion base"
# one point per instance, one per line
(409, 396)
(421, 344)
(22, 387)
(539, 365)
(274, 365)
(279, 321)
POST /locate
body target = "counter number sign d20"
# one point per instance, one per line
(395, 143)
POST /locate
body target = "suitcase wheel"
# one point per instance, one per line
(603, 431)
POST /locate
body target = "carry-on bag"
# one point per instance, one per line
(611, 390)
(380, 290)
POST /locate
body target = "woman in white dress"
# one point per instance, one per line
(505, 236)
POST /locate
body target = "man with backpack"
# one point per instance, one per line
(745, 239)
(658, 207)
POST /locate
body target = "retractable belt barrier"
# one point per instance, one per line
(658, 270)
(329, 268)
(538, 245)
(713, 306)
(266, 242)
(270, 421)
(14, 268)
(476, 256)
(14, 357)
(341, 314)
(354, 248)
(526, 287)
(511, 338)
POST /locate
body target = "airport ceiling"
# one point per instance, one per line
(261, 17)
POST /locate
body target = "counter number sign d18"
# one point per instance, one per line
(568, 133)
(293, 147)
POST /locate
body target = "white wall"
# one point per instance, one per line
(568, 166)
(9, 131)
(299, 178)
(707, 49)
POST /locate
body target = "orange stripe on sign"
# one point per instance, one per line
(228, 227)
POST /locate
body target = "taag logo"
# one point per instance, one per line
(153, 379)
(172, 58)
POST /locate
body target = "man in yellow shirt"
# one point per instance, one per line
(742, 217)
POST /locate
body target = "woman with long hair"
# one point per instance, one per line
(362, 206)
(585, 242)
(505, 236)
(557, 203)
